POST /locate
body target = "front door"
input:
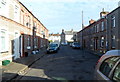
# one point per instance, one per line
(16, 45)
(95, 43)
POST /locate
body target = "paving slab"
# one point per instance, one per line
(93, 52)
(19, 66)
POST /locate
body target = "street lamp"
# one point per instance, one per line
(83, 55)
(82, 29)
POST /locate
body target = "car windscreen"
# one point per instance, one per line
(52, 45)
(76, 44)
(56, 44)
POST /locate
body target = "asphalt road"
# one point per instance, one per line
(67, 64)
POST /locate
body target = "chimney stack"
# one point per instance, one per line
(91, 21)
(103, 13)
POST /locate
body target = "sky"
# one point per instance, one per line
(67, 14)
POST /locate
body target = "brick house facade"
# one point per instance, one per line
(103, 34)
(113, 28)
(93, 37)
(21, 32)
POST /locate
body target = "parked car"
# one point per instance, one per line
(64, 44)
(108, 67)
(70, 44)
(52, 48)
(75, 45)
(58, 46)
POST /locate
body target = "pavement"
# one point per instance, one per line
(93, 52)
(19, 66)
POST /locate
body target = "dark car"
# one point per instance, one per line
(70, 44)
(58, 46)
(76, 45)
(52, 48)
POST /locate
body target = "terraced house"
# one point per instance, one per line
(113, 29)
(102, 35)
(21, 33)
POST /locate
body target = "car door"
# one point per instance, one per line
(116, 73)
(105, 68)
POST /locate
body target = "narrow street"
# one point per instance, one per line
(67, 64)
(30, 29)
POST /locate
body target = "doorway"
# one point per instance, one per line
(95, 43)
(16, 45)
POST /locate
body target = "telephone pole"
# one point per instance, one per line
(82, 28)
(82, 21)
(83, 54)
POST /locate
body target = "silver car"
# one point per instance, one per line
(108, 67)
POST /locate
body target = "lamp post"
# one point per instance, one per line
(83, 55)
(82, 30)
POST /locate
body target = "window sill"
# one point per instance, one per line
(3, 51)
(113, 48)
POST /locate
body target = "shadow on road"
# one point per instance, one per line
(66, 65)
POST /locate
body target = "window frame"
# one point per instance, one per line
(97, 27)
(113, 21)
(108, 59)
(16, 9)
(102, 41)
(113, 41)
(102, 26)
(3, 2)
(117, 64)
(6, 40)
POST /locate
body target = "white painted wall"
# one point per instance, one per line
(16, 12)
(68, 37)
(6, 11)
(54, 38)
(4, 8)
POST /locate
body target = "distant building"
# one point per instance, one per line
(63, 36)
(68, 36)
(54, 38)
